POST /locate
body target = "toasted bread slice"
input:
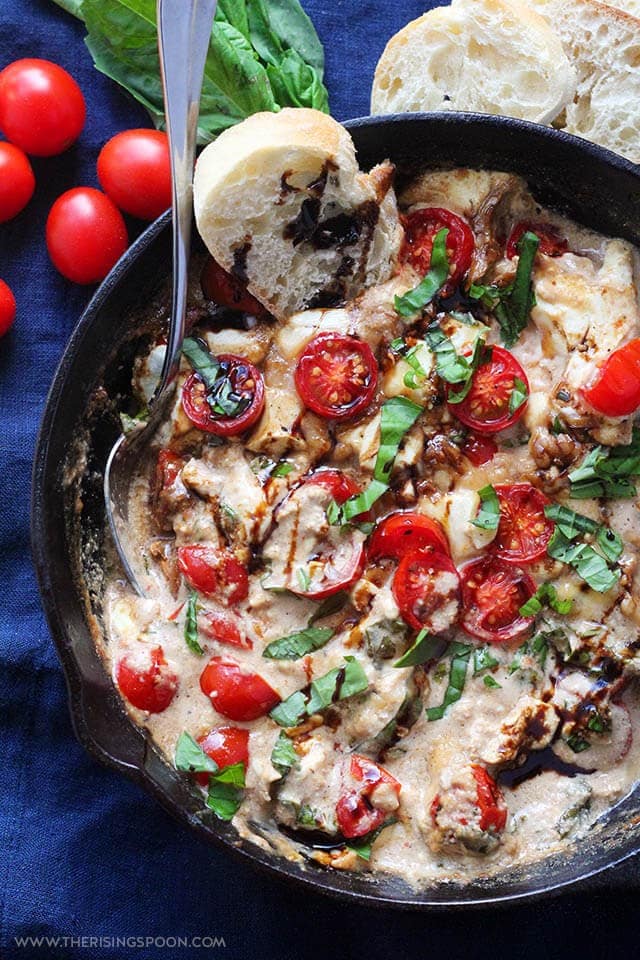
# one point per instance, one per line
(604, 44)
(490, 56)
(280, 201)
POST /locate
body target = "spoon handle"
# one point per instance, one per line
(184, 32)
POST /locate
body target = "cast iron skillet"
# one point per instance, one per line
(592, 185)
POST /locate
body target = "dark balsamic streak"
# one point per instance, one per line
(539, 761)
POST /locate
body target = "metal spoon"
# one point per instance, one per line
(184, 31)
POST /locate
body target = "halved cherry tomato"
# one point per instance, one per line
(551, 243)
(215, 572)
(227, 290)
(493, 809)
(234, 693)
(493, 590)
(479, 449)
(615, 391)
(7, 308)
(222, 627)
(486, 407)
(225, 746)
(426, 587)
(150, 688)
(339, 485)
(336, 376)
(42, 109)
(355, 812)
(420, 228)
(17, 181)
(402, 533)
(247, 389)
(134, 170)
(169, 466)
(85, 235)
(523, 531)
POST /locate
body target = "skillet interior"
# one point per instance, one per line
(588, 183)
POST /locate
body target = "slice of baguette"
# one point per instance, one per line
(280, 201)
(604, 45)
(627, 6)
(490, 56)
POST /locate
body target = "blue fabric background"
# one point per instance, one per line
(82, 851)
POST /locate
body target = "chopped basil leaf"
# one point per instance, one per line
(303, 579)
(223, 399)
(415, 300)
(283, 755)
(397, 417)
(481, 354)
(191, 758)
(132, 423)
(512, 304)
(298, 644)
(557, 426)
(589, 565)
(577, 744)
(191, 624)
(483, 659)
(220, 394)
(384, 637)
(413, 378)
(453, 367)
(519, 395)
(488, 516)
(545, 594)
(362, 845)
(202, 361)
(282, 469)
(610, 543)
(338, 684)
(491, 683)
(537, 647)
(225, 791)
(571, 524)
(606, 471)
(457, 679)
(328, 606)
(423, 648)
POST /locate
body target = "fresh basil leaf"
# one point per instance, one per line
(329, 605)
(423, 648)
(488, 517)
(384, 637)
(296, 83)
(589, 565)
(491, 683)
(457, 680)
(483, 659)
(546, 594)
(354, 680)
(298, 644)
(607, 472)
(481, 354)
(191, 758)
(338, 684)
(362, 845)
(191, 624)
(225, 795)
(414, 377)
(572, 524)
(610, 543)
(283, 755)
(303, 579)
(233, 774)
(74, 7)
(282, 469)
(514, 307)
(519, 395)
(557, 427)
(202, 361)
(577, 744)
(413, 301)
(289, 712)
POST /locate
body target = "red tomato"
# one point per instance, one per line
(486, 406)
(336, 376)
(7, 308)
(135, 171)
(227, 290)
(42, 109)
(426, 587)
(169, 466)
(479, 449)
(493, 590)
(85, 234)
(151, 688)
(234, 693)
(246, 384)
(221, 627)
(493, 809)
(421, 227)
(402, 533)
(551, 243)
(339, 485)
(523, 531)
(214, 571)
(355, 813)
(225, 746)
(615, 391)
(17, 181)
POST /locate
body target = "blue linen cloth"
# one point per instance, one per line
(83, 852)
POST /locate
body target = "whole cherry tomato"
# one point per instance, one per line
(488, 406)
(493, 590)
(356, 814)
(523, 531)
(42, 109)
(615, 390)
(235, 693)
(336, 376)
(226, 746)
(85, 235)
(7, 308)
(422, 225)
(214, 572)
(135, 171)
(17, 181)
(245, 393)
(402, 533)
(151, 686)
